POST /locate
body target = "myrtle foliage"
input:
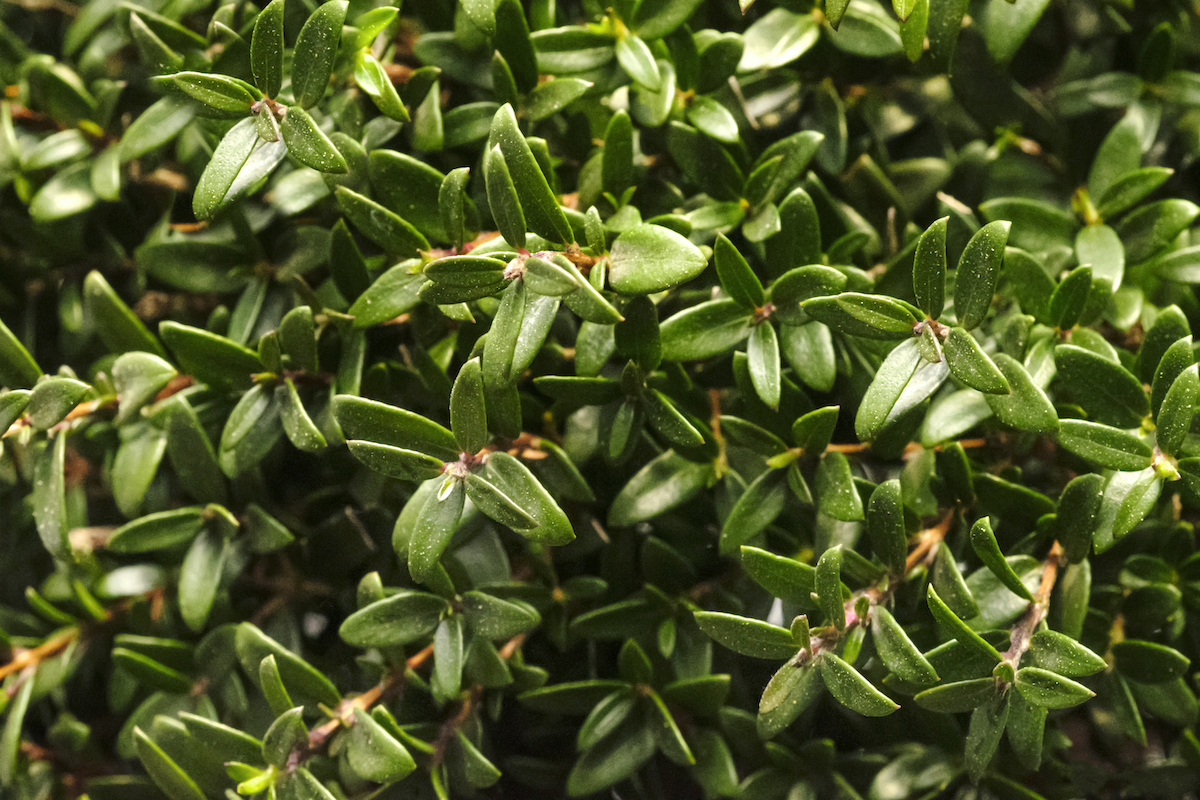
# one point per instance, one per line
(658, 399)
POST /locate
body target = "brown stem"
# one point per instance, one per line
(1022, 631)
(927, 541)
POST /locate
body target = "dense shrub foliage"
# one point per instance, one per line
(663, 399)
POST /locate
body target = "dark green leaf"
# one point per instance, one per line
(377, 223)
(402, 618)
(224, 95)
(168, 775)
(542, 212)
(396, 462)
(954, 627)
(871, 316)
(200, 577)
(1026, 407)
(929, 269)
(516, 481)
(785, 578)
(308, 144)
(360, 418)
(750, 637)
(970, 365)
(665, 482)
(374, 753)
(437, 520)
(1107, 391)
(958, 696)
(1149, 662)
(828, 583)
(757, 508)
(763, 353)
(1045, 688)
(983, 542)
(789, 693)
(1062, 654)
(232, 154)
(1107, 446)
(315, 51)
(836, 493)
(984, 732)
(978, 270)
(885, 526)
(118, 326)
(266, 49)
(897, 651)
(851, 689)
(705, 330)
(1174, 418)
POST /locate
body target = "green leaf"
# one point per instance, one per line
(955, 628)
(297, 424)
(758, 507)
(196, 266)
(17, 367)
(1008, 25)
(225, 741)
(308, 144)
(315, 51)
(1130, 189)
(947, 579)
(1128, 497)
(468, 416)
(613, 759)
(885, 526)
(49, 497)
(446, 680)
(379, 224)
(929, 267)
(763, 353)
(851, 689)
(552, 96)
(735, 275)
(871, 316)
(272, 686)
(650, 258)
(1149, 662)
(784, 578)
(519, 484)
(836, 494)
(286, 735)
(494, 618)
(1026, 728)
(12, 405)
(360, 418)
(52, 399)
(705, 330)
(1026, 408)
(252, 646)
(210, 358)
(638, 62)
(232, 154)
(1174, 418)
(266, 49)
(396, 462)
(155, 126)
(1101, 248)
(1045, 688)
(897, 651)
(119, 328)
(437, 520)
(713, 119)
(604, 718)
(372, 78)
(978, 270)
(1107, 446)
(1151, 228)
(1078, 507)
(226, 96)
(970, 365)
(402, 618)
(157, 531)
(750, 637)
(542, 212)
(665, 482)
(983, 542)
(983, 734)
(393, 293)
(1062, 654)
(168, 775)
(200, 577)
(894, 375)
(778, 38)
(503, 199)
(1107, 391)
(496, 504)
(828, 583)
(616, 166)
(789, 693)
(958, 696)
(374, 753)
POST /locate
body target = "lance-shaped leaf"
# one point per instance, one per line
(266, 49)
(253, 646)
(978, 271)
(836, 494)
(446, 680)
(224, 95)
(789, 693)
(948, 581)
(1045, 688)
(735, 275)
(983, 734)
(885, 526)
(983, 542)
(402, 618)
(705, 330)
(929, 267)
(200, 577)
(763, 361)
(396, 462)
(872, 316)
(1026, 407)
(1060, 653)
(297, 424)
(468, 416)
(542, 212)
(757, 508)
(49, 497)
(894, 375)
(167, 774)
(223, 168)
(785, 578)
(651, 258)
(372, 78)
(508, 326)
(308, 144)
(496, 504)
(380, 225)
(503, 199)
(970, 365)
(1149, 662)
(957, 629)
(851, 689)
(516, 481)
(750, 637)
(360, 418)
(315, 51)
(1026, 728)
(1128, 497)
(119, 328)
(437, 520)
(897, 651)
(813, 431)
(666, 481)
(157, 531)
(1107, 446)
(1106, 390)
(958, 696)
(828, 584)
(1178, 407)
(1076, 516)
(17, 367)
